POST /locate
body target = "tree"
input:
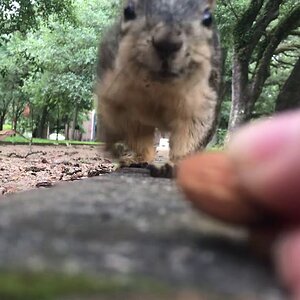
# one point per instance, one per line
(289, 96)
(22, 15)
(256, 38)
(259, 37)
(14, 69)
(16, 18)
(65, 79)
(65, 56)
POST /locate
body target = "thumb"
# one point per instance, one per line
(267, 158)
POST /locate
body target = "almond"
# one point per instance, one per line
(214, 188)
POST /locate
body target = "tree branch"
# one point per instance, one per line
(295, 33)
(231, 7)
(284, 63)
(269, 13)
(278, 34)
(245, 23)
(266, 15)
(285, 48)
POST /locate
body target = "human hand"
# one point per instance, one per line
(265, 157)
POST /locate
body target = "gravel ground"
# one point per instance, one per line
(22, 168)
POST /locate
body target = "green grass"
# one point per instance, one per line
(15, 286)
(215, 149)
(7, 127)
(21, 140)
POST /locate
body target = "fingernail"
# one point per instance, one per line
(265, 140)
(266, 156)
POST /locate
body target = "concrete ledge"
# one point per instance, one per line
(129, 226)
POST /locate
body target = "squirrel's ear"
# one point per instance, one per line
(212, 3)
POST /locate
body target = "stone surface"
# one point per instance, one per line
(130, 225)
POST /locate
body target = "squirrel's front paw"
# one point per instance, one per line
(168, 170)
(143, 165)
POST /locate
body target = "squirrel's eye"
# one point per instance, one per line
(129, 12)
(207, 18)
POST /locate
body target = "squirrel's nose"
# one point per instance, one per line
(166, 46)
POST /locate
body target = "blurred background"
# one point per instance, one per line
(48, 51)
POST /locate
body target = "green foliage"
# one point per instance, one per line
(36, 141)
(51, 67)
(48, 51)
(22, 15)
(221, 136)
(14, 68)
(227, 14)
(7, 127)
(225, 113)
(65, 56)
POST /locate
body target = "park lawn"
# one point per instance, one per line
(21, 140)
(7, 127)
(27, 286)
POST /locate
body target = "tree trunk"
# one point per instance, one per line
(75, 122)
(13, 125)
(241, 102)
(289, 96)
(16, 117)
(57, 124)
(67, 130)
(41, 132)
(2, 120)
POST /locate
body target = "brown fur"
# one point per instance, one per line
(135, 97)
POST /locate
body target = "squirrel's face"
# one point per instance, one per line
(169, 39)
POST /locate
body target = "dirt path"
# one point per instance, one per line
(44, 166)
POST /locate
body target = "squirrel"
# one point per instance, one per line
(159, 67)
